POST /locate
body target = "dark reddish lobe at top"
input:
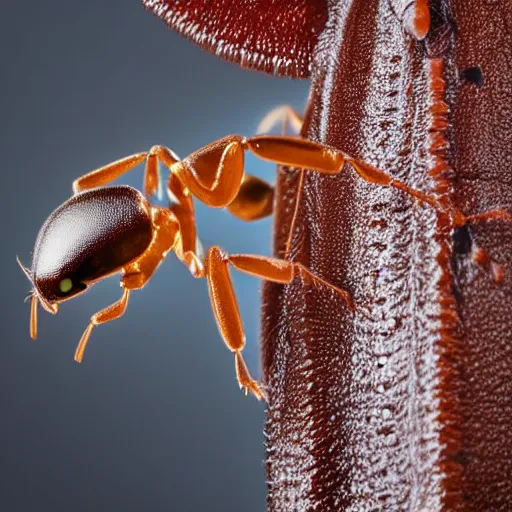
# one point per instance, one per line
(273, 36)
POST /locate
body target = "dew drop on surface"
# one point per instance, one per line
(382, 361)
(391, 439)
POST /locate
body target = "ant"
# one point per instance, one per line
(104, 230)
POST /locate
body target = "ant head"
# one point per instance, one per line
(91, 236)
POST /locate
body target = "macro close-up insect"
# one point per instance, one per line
(386, 339)
(102, 231)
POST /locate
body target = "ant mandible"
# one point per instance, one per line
(104, 230)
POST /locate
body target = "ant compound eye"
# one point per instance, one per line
(65, 285)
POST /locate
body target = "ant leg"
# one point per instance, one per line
(296, 152)
(306, 154)
(137, 273)
(182, 206)
(283, 271)
(105, 315)
(166, 233)
(107, 173)
(215, 172)
(479, 255)
(152, 172)
(284, 114)
(225, 306)
(110, 172)
(256, 197)
(227, 315)
(491, 214)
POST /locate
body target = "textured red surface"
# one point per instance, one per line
(409, 405)
(267, 35)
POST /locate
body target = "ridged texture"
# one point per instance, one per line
(266, 35)
(406, 406)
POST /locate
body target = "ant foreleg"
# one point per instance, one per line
(110, 172)
(137, 273)
(107, 173)
(105, 315)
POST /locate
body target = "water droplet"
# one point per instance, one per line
(386, 414)
(382, 361)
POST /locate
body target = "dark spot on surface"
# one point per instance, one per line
(473, 75)
(461, 458)
(462, 240)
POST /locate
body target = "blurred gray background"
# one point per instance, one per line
(153, 419)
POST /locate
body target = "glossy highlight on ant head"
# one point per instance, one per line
(93, 235)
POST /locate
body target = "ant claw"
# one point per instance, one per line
(256, 389)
